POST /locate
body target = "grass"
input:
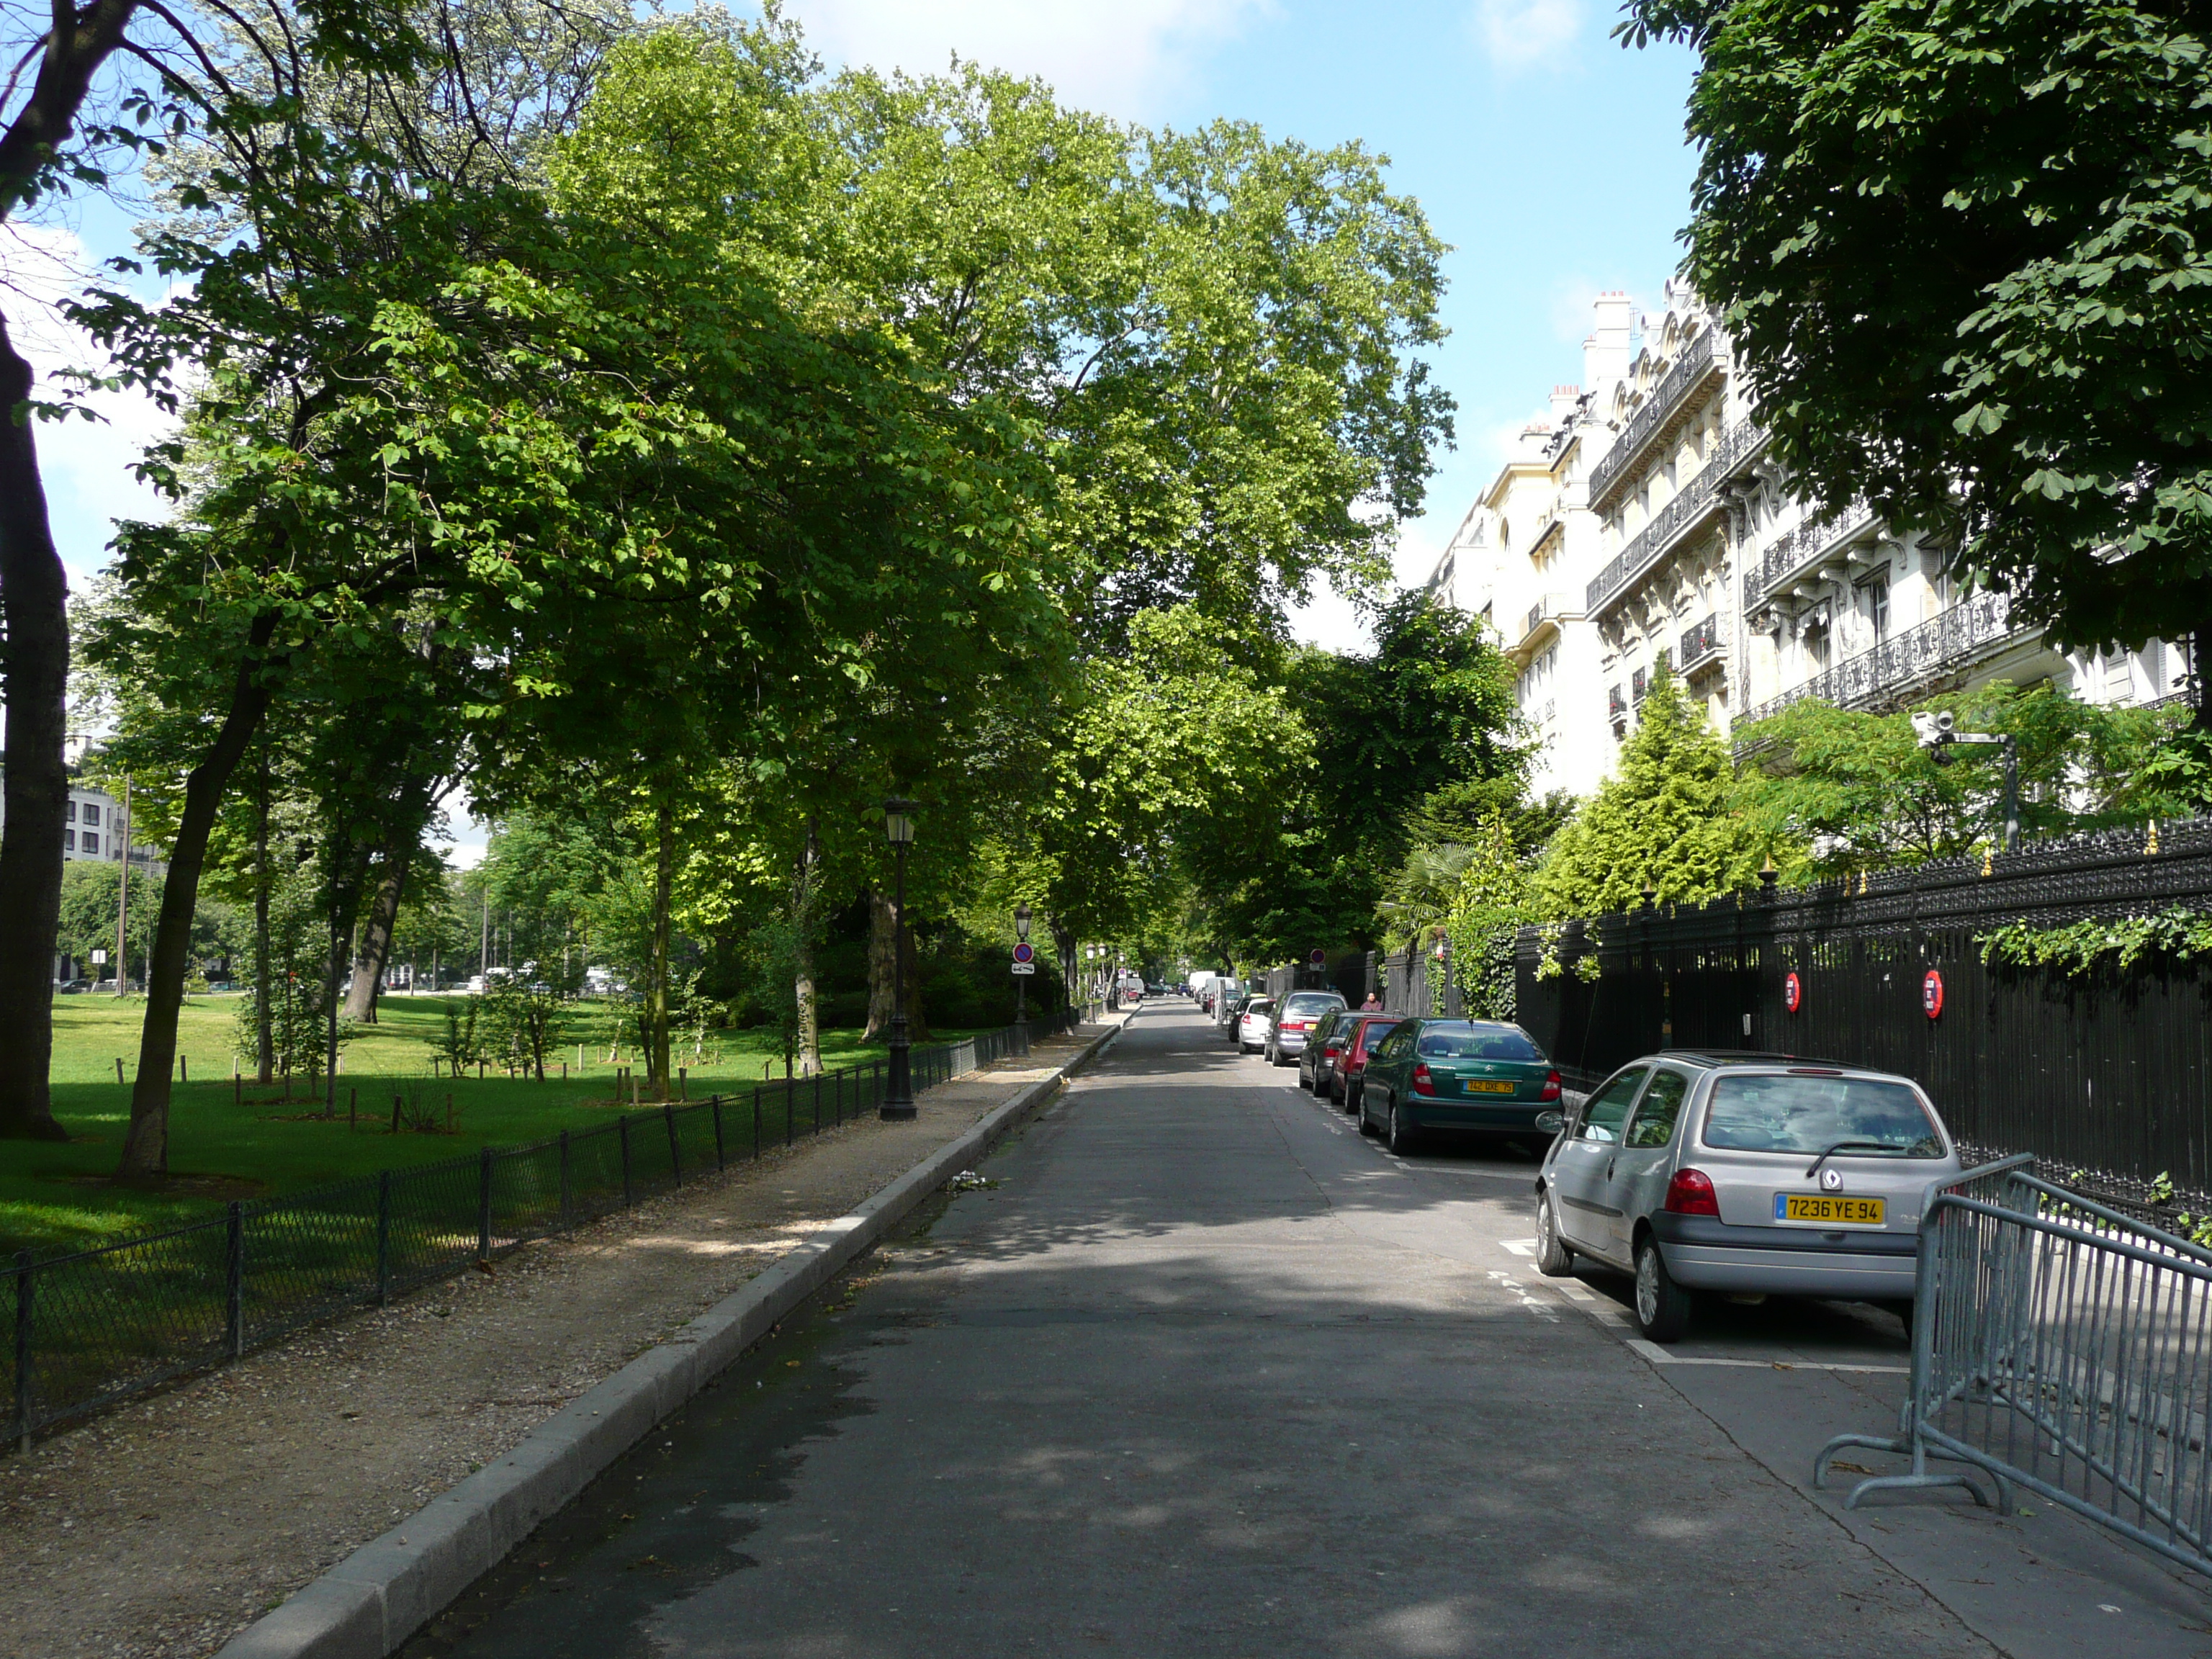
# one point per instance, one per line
(225, 1145)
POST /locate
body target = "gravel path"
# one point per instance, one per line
(164, 1527)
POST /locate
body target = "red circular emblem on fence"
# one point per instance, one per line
(1793, 992)
(1931, 993)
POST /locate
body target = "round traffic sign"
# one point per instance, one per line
(1931, 993)
(1024, 951)
(1317, 958)
(1793, 992)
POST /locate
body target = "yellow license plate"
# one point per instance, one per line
(1476, 1086)
(1834, 1211)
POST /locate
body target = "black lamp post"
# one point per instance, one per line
(898, 1095)
(1021, 983)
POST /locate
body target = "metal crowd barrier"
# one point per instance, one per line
(2062, 1347)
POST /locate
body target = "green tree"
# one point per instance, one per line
(1662, 820)
(1964, 249)
(1830, 791)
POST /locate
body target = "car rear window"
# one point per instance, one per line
(1373, 1032)
(1475, 1042)
(1796, 1113)
(1312, 1002)
(1259, 1005)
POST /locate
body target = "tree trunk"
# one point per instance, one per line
(146, 1143)
(376, 952)
(664, 871)
(880, 968)
(264, 1030)
(802, 920)
(34, 612)
(1063, 944)
(349, 868)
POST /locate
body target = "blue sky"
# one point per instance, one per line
(1552, 160)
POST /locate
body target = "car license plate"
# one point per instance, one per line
(1478, 1086)
(1834, 1211)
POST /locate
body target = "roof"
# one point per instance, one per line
(1746, 1057)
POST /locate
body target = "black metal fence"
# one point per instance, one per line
(97, 1326)
(2105, 1071)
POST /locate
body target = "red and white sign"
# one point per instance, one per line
(1024, 952)
(1793, 992)
(1931, 993)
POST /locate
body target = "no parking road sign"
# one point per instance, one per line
(1025, 959)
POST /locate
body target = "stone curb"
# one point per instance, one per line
(369, 1603)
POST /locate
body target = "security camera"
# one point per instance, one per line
(1925, 728)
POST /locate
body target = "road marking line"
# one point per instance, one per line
(1572, 1291)
(1520, 1246)
(1659, 1356)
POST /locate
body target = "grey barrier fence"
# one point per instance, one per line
(94, 1327)
(2061, 1346)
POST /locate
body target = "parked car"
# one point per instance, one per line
(1295, 1017)
(1356, 1034)
(1317, 1059)
(70, 988)
(1233, 1004)
(1748, 1173)
(1361, 1038)
(1252, 1021)
(1458, 1074)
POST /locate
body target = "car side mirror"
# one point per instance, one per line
(1551, 1123)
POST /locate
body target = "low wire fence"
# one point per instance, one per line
(98, 1326)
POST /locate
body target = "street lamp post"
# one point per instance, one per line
(898, 1094)
(1021, 983)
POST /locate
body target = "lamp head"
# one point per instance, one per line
(1021, 921)
(898, 821)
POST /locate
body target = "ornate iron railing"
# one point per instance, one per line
(1616, 701)
(1898, 663)
(1795, 548)
(1638, 683)
(1678, 517)
(1675, 385)
(1700, 642)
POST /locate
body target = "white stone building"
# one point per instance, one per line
(1643, 518)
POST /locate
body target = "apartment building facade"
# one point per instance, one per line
(1644, 520)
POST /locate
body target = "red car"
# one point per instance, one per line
(1355, 1039)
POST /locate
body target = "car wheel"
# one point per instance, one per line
(1663, 1307)
(1355, 1099)
(1553, 1259)
(1366, 1125)
(1399, 1140)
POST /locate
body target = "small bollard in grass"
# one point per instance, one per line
(184, 1069)
(118, 1069)
(237, 1087)
(683, 1082)
(395, 1114)
(564, 1071)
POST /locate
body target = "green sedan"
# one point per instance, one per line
(1459, 1074)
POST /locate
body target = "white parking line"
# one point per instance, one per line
(1520, 1246)
(1659, 1356)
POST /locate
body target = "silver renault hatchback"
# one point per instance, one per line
(1746, 1174)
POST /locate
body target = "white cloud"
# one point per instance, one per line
(1519, 34)
(1127, 58)
(85, 465)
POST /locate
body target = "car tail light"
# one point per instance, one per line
(1551, 1087)
(1691, 1193)
(1331, 1047)
(1423, 1083)
(1294, 1025)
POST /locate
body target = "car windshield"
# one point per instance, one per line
(1475, 1042)
(1797, 1113)
(1312, 1002)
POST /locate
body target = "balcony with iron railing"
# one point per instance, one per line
(1616, 701)
(1904, 661)
(1697, 499)
(1683, 376)
(1701, 642)
(1796, 551)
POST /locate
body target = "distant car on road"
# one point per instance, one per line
(1252, 1021)
(1748, 1174)
(1295, 1017)
(1455, 1074)
(70, 988)
(1234, 996)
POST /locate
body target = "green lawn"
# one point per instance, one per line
(57, 1196)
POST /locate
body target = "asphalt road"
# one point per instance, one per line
(1205, 1373)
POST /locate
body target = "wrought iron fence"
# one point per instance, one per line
(97, 1326)
(1700, 642)
(1794, 549)
(2106, 1076)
